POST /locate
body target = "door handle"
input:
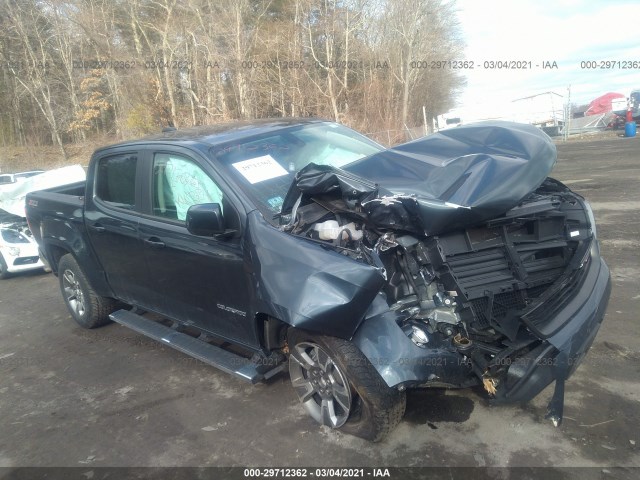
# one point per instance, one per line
(154, 242)
(97, 227)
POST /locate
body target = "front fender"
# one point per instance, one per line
(307, 285)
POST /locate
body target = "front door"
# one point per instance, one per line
(199, 280)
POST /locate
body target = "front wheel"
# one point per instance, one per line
(340, 388)
(87, 308)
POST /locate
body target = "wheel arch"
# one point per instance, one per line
(53, 255)
(54, 250)
(272, 331)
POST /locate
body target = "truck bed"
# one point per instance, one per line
(66, 202)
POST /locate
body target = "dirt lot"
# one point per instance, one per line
(109, 397)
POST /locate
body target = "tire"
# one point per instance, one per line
(340, 388)
(87, 308)
(4, 274)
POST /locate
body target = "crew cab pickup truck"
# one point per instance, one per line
(450, 261)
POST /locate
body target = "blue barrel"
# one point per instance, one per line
(630, 129)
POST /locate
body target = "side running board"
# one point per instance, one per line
(226, 361)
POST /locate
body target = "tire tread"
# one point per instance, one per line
(97, 308)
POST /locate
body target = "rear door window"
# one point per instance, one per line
(116, 180)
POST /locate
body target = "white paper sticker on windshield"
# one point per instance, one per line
(260, 169)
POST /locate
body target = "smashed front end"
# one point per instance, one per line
(492, 272)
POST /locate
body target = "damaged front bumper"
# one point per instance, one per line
(557, 357)
(440, 362)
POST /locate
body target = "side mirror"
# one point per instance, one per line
(205, 220)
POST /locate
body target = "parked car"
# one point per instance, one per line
(18, 248)
(449, 261)
(6, 178)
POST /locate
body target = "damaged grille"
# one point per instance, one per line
(541, 320)
(505, 267)
(501, 270)
(503, 303)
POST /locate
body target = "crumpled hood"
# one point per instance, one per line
(444, 181)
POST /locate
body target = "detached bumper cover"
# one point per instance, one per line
(559, 355)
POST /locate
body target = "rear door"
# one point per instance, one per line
(112, 223)
(198, 280)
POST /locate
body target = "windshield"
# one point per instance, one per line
(265, 166)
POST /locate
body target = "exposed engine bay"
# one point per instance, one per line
(477, 288)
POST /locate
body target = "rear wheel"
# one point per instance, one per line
(340, 388)
(87, 308)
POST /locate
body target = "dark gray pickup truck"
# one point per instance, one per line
(450, 261)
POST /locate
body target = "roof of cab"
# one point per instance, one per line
(219, 133)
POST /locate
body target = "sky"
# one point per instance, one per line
(567, 32)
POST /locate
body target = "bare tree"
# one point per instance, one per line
(37, 76)
(417, 33)
(126, 67)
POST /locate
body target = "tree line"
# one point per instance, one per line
(79, 68)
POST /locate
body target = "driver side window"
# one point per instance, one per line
(179, 183)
